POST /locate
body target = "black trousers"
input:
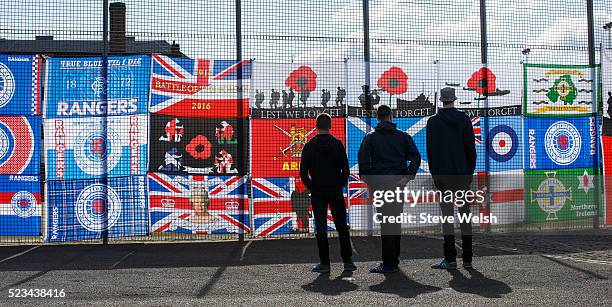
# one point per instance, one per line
(390, 233)
(335, 200)
(453, 184)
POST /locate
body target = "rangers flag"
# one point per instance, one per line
(20, 205)
(80, 148)
(83, 209)
(79, 86)
(200, 88)
(555, 143)
(20, 84)
(198, 204)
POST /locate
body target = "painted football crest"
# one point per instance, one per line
(97, 151)
(7, 85)
(95, 204)
(23, 204)
(562, 142)
(551, 195)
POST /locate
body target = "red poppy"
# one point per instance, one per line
(199, 147)
(303, 79)
(394, 81)
(483, 81)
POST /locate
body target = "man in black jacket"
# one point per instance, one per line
(324, 171)
(383, 158)
(451, 155)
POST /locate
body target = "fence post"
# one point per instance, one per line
(485, 119)
(104, 97)
(366, 62)
(594, 108)
(240, 94)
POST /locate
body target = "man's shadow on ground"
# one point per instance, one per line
(399, 284)
(325, 285)
(477, 284)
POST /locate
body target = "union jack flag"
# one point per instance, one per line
(358, 191)
(178, 204)
(200, 88)
(477, 130)
(272, 209)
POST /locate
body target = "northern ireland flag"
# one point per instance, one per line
(200, 88)
(198, 204)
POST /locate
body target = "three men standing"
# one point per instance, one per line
(388, 159)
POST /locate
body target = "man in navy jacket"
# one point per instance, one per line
(388, 158)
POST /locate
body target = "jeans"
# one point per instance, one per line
(335, 200)
(448, 229)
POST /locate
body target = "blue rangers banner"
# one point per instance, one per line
(20, 145)
(20, 205)
(553, 143)
(200, 88)
(83, 209)
(198, 204)
(504, 143)
(76, 147)
(78, 87)
(20, 84)
(282, 206)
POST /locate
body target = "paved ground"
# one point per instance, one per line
(521, 269)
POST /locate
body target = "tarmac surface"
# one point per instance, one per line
(562, 268)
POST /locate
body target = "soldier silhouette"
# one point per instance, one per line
(609, 102)
(259, 99)
(286, 102)
(303, 97)
(325, 97)
(274, 98)
(374, 97)
(291, 97)
(340, 94)
(364, 97)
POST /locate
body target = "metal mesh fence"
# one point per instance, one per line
(166, 120)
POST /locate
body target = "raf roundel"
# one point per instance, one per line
(502, 143)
